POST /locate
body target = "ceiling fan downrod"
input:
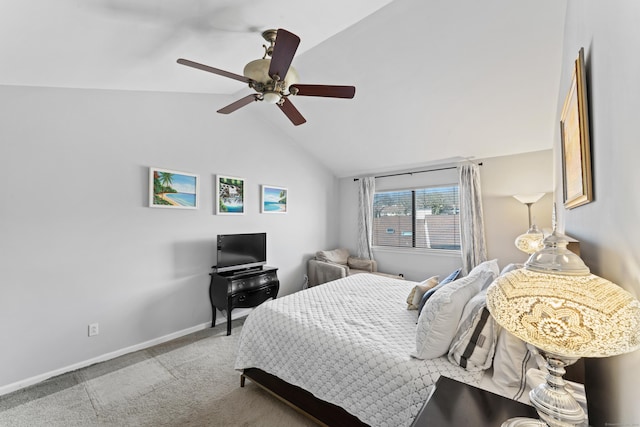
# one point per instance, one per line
(270, 36)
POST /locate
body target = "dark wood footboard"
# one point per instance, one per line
(324, 413)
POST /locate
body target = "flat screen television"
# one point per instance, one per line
(241, 251)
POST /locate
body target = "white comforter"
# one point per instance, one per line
(349, 342)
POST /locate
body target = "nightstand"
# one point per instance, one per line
(456, 404)
(241, 289)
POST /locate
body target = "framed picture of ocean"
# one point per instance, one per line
(230, 195)
(274, 199)
(173, 189)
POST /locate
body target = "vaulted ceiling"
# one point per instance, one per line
(436, 80)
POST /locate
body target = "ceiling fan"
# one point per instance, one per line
(274, 79)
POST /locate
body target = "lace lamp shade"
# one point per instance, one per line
(566, 315)
(557, 305)
(531, 241)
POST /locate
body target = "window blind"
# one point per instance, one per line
(418, 218)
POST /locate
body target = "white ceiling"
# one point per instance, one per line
(435, 80)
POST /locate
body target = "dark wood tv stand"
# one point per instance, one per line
(241, 289)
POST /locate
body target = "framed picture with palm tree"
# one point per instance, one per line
(274, 199)
(173, 189)
(230, 195)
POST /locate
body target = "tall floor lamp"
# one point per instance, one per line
(530, 241)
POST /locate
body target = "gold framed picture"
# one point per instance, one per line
(576, 147)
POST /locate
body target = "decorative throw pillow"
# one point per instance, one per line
(450, 278)
(414, 298)
(475, 341)
(441, 314)
(453, 276)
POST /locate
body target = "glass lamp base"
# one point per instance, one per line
(556, 407)
(523, 422)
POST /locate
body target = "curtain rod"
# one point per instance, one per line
(411, 173)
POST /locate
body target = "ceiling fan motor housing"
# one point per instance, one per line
(258, 71)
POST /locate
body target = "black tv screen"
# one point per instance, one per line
(241, 251)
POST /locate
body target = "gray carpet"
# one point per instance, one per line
(189, 381)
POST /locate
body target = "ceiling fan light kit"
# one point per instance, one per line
(265, 77)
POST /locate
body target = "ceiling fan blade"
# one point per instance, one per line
(285, 48)
(327, 91)
(214, 70)
(292, 112)
(238, 104)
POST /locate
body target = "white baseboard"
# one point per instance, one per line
(39, 378)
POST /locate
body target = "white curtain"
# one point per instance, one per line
(366, 191)
(474, 250)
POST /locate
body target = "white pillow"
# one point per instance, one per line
(510, 365)
(491, 265)
(511, 267)
(414, 298)
(475, 341)
(441, 314)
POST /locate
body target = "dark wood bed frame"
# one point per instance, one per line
(324, 413)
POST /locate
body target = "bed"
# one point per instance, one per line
(348, 352)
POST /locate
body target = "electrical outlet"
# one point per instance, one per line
(93, 329)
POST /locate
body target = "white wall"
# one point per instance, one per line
(608, 227)
(505, 217)
(79, 244)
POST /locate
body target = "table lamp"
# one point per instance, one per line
(558, 306)
(531, 241)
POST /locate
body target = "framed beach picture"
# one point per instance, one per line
(230, 195)
(576, 148)
(173, 189)
(274, 199)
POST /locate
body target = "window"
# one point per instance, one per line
(421, 218)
